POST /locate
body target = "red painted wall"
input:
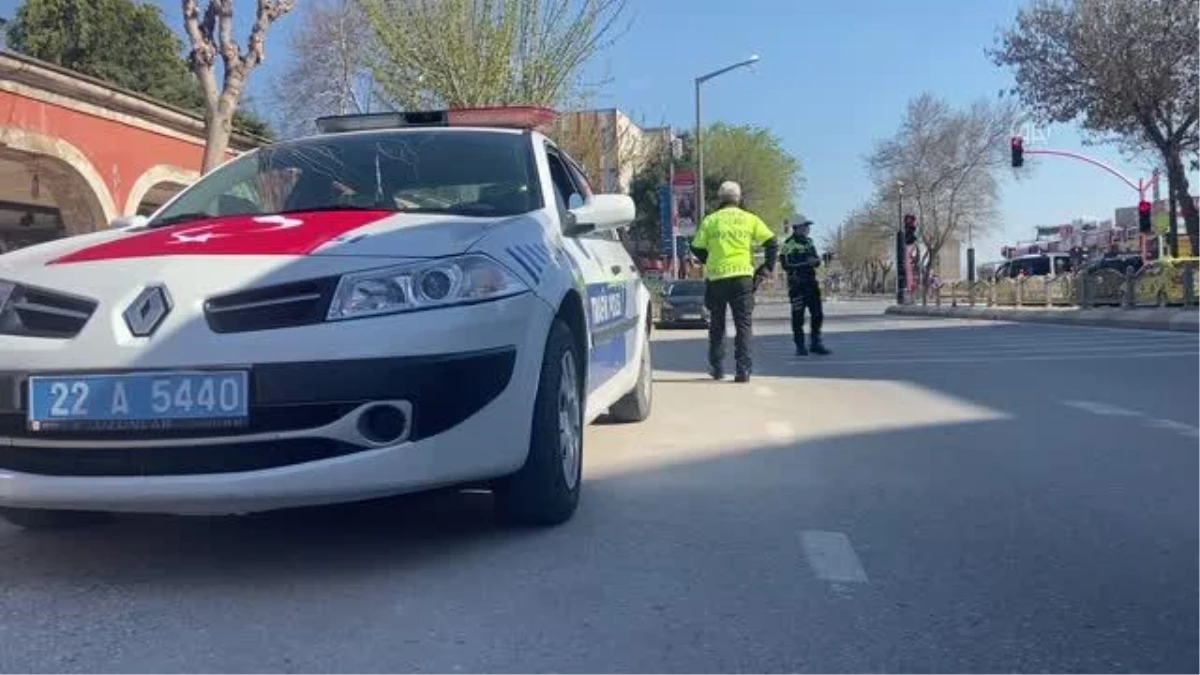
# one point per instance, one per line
(120, 153)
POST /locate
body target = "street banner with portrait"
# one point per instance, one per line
(683, 190)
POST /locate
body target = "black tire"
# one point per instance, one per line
(635, 406)
(545, 491)
(47, 519)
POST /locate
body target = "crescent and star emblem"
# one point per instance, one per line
(204, 234)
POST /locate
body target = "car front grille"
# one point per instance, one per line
(35, 312)
(296, 304)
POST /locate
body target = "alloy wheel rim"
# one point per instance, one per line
(570, 428)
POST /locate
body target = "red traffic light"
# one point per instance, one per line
(1145, 225)
(1018, 152)
(1144, 207)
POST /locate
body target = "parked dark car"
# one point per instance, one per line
(683, 303)
(1106, 277)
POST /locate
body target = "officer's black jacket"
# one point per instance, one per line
(800, 259)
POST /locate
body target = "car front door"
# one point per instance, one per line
(607, 298)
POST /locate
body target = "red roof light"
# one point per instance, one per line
(516, 117)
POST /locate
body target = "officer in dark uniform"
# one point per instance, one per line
(800, 261)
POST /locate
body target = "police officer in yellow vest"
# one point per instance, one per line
(725, 243)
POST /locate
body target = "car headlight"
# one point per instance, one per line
(424, 285)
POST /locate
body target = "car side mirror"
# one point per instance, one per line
(129, 222)
(602, 212)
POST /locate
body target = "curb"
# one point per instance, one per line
(1187, 321)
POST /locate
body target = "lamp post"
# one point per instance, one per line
(901, 269)
(699, 144)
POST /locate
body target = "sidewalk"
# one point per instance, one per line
(1187, 320)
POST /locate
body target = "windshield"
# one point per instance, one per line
(470, 173)
(686, 288)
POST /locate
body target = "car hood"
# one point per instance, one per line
(219, 254)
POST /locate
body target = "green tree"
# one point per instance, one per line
(756, 159)
(752, 156)
(458, 53)
(122, 42)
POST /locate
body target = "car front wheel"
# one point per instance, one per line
(545, 491)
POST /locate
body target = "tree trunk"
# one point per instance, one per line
(216, 139)
(1178, 185)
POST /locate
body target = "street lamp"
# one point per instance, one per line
(699, 145)
(900, 282)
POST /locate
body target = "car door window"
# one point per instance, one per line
(560, 176)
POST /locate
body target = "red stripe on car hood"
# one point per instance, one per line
(289, 234)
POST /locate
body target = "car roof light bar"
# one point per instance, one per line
(508, 117)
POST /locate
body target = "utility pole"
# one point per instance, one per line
(901, 265)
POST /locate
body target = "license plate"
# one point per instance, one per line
(168, 400)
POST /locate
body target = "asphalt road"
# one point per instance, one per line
(937, 495)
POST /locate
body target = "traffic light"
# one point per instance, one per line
(1144, 224)
(1018, 152)
(910, 229)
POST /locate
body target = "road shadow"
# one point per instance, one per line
(992, 557)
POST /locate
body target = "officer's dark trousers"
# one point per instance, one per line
(805, 295)
(738, 294)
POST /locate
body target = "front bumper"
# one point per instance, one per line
(305, 443)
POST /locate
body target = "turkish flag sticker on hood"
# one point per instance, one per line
(292, 234)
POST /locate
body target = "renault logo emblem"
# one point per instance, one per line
(147, 311)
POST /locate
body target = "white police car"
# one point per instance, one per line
(403, 302)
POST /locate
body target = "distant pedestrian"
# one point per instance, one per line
(725, 245)
(800, 261)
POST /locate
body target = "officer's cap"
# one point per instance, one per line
(799, 221)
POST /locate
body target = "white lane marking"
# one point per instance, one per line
(985, 359)
(764, 391)
(831, 557)
(897, 351)
(1171, 425)
(1104, 409)
(1109, 410)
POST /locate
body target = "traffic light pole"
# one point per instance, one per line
(901, 275)
(1140, 186)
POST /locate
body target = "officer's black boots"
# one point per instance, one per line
(742, 376)
(716, 372)
(800, 350)
(818, 347)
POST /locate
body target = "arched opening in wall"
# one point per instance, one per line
(43, 198)
(157, 195)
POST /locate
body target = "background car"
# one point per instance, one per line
(683, 304)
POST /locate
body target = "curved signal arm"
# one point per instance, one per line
(1139, 186)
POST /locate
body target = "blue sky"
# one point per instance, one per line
(834, 78)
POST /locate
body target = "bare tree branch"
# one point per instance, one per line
(1127, 70)
(211, 34)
